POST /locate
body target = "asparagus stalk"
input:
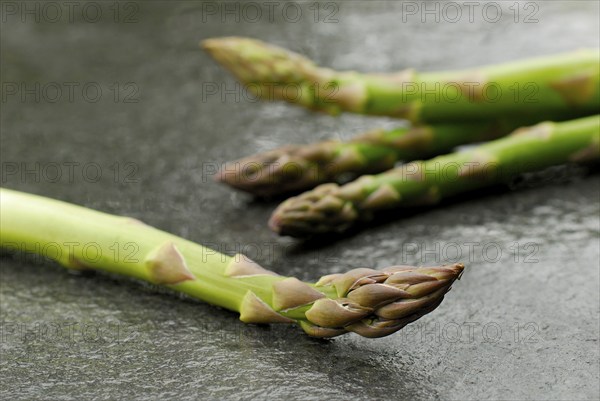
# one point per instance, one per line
(334, 208)
(301, 167)
(372, 303)
(563, 85)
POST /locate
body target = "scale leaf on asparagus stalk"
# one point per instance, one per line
(371, 303)
(334, 208)
(301, 167)
(551, 87)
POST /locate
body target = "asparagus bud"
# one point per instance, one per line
(551, 87)
(335, 208)
(301, 167)
(369, 302)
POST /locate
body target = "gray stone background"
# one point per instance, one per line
(140, 135)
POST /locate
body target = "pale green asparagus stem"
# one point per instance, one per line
(552, 87)
(333, 208)
(372, 303)
(301, 167)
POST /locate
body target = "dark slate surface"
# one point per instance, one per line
(522, 324)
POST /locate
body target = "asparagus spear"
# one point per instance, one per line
(301, 167)
(565, 85)
(334, 208)
(372, 303)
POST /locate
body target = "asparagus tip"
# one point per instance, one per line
(254, 61)
(324, 209)
(376, 303)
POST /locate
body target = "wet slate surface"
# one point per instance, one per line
(523, 323)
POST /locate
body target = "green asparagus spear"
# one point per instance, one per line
(565, 85)
(333, 208)
(301, 167)
(372, 303)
